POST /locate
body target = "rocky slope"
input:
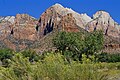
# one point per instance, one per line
(22, 31)
(15, 31)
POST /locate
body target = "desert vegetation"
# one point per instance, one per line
(78, 57)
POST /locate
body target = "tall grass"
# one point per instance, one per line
(52, 67)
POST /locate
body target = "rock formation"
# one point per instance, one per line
(14, 29)
(64, 19)
(22, 31)
(54, 15)
(103, 21)
(24, 27)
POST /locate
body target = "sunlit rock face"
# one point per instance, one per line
(5, 26)
(103, 21)
(14, 30)
(55, 16)
(68, 23)
(24, 27)
(10, 19)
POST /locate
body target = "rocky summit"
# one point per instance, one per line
(24, 31)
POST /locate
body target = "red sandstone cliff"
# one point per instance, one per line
(22, 31)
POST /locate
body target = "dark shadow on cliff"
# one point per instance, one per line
(49, 27)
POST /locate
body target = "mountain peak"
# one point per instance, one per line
(104, 17)
(101, 13)
(57, 5)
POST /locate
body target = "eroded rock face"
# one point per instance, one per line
(22, 27)
(56, 15)
(5, 29)
(103, 21)
(68, 23)
(10, 19)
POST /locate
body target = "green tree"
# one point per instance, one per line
(75, 44)
(71, 44)
(94, 42)
(6, 54)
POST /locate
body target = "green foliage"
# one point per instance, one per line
(85, 59)
(31, 54)
(20, 65)
(53, 67)
(94, 42)
(105, 57)
(75, 44)
(19, 69)
(71, 44)
(6, 54)
(68, 40)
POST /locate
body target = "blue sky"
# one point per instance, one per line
(36, 7)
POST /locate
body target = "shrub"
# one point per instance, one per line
(6, 54)
(19, 69)
(31, 54)
(106, 57)
(52, 67)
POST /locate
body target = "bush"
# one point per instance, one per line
(6, 54)
(52, 67)
(19, 69)
(105, 57)
(31, 54)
